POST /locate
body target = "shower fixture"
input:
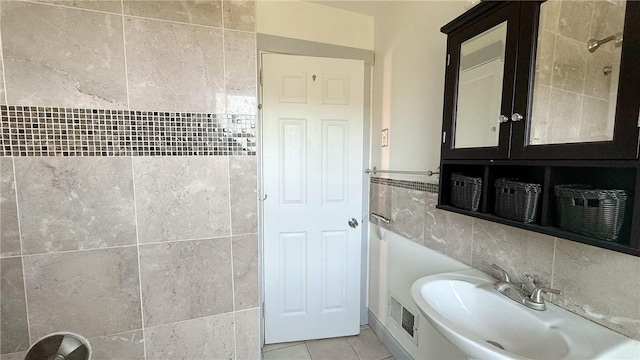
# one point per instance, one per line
(594, 44)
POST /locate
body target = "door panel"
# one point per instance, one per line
(334, 268)
(335, 146)
(292, 167)
(293, 253)
(312, 158)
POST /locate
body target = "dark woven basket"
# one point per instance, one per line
(465, 192)
(594, 212)
(517, 200)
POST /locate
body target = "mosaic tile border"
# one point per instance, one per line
(53, 131)
(412, 185)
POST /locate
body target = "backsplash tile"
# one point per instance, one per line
(449, 233)
(128, 345)
(598, 284)
(245, 271)
(205, 338)
(594, 283)
(153, 46)
(75, 203)
(199, 12)
(14, 356)
(240, 72)
(407, 213)
(9, 227)
(248, 334)
(380, 203)
(182, 198)
(93, 293)
(52, 131)
(14, 334)
(239, 15)
(243, 180)
(185, 280)
(112, 6)
(87, 68)
(412, 185)
(515, 250)
(77, 123)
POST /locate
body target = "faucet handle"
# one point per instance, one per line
(505, 275)
(536, 294)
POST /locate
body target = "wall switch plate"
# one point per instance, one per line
(385, 137)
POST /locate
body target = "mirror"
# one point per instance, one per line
(576, 72)
(480, 78)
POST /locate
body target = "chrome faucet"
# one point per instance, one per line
(505, 283)
(536, 301)
(521, 293)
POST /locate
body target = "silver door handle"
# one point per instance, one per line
(353, 223)
(516, 117)
(503, 119)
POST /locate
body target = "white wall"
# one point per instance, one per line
(396, 263)
(313, 22)
(409, 83)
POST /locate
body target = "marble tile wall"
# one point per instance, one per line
(598, 284)
(184, 56)
(574, 100)
(129, 252)
(150, 255)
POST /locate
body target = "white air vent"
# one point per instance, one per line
(403, 318)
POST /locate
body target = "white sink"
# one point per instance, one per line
(484, 324)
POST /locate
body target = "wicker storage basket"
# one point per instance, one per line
(465, 192)
(594, 212)
(517, 200)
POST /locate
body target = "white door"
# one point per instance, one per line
(312, 170)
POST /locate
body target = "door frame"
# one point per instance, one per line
(288, 46)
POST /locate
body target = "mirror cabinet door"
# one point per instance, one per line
(582, 94)
(480, 78)
(577, 70)
(479, 85)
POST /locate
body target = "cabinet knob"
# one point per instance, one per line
(503, 119)
(516, 117)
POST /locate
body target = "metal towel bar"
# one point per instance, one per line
(381, 218)
(405, 172)
(384, 220)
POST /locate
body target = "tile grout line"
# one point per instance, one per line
(24, 277)
(233, 280)
(197, 318)
(135, 211)
(126, 246)
(233, 291)
(353, 347)
(4, 69)
(186, 23)
(69, 7)
(132, 16)
(124, 48)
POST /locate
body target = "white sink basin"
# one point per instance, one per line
(465, 308)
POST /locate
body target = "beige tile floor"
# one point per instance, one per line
(365, 346)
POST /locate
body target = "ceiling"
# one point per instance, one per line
(366, 7)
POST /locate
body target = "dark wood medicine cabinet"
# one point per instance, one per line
(530, 97)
